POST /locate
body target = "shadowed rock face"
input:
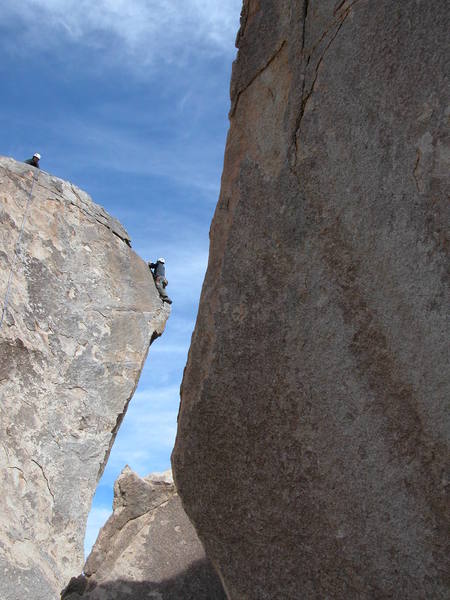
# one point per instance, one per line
(313, 428)
(81, 311)
(147, 549)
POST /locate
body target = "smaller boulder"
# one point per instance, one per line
(147, 545)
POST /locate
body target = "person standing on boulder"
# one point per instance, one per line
(158, 270)
(34, 160)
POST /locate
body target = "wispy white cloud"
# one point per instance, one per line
(148, 431)
(179, 157)
(171, 349)
(97, 518)
(149, 30)
(145, 438)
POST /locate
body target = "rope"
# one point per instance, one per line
(16, 249)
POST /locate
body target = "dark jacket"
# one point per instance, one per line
(32, 162)
(159, 270)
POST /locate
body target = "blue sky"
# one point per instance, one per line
(128, 99)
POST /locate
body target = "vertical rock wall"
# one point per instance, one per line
(81, 311)
(313, 432)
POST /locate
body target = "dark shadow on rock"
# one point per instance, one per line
(199, 582)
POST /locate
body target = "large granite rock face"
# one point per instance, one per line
(147, 549)
(81, 311)
(313, 431)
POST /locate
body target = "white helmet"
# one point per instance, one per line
(161, 260)
(37, 155)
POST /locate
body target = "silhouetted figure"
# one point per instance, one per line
(34, 160)
(158, 270)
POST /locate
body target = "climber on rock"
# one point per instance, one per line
(34, 160)
(158, 270)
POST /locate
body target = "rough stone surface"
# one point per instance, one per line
(313, 432)
(81, 312)
(147, 549)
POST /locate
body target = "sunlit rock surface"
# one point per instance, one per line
(147, 548)
(81, 311)
(313, 432)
